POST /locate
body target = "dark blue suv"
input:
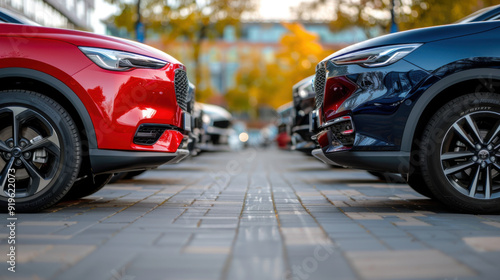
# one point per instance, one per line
(424, 103)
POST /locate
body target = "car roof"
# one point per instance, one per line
(215, 112)
(285, 107)
(486, 14)
(303, 82)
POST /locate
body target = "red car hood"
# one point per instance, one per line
(83, 39)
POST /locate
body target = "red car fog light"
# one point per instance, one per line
(337, 90)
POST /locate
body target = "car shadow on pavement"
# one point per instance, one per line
(311, 169)
(345, 181)
(146, 181)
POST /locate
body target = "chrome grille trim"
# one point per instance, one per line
(319, 84)
(181, 84)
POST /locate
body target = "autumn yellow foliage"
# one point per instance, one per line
(260, 82)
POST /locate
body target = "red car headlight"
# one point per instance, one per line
(121, 61)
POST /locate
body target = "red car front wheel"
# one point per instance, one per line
(40, 151)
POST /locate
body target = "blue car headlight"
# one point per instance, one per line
(376, 57)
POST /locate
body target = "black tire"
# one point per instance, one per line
(87, 186)
(215, 139)
(459, 161)
(192, 145)
(45, 131)
(132, 174)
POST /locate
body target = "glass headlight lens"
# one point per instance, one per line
(376, 57)
(121, 61)
(303, 93)
(205, 119)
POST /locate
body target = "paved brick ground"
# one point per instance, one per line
(263, 214)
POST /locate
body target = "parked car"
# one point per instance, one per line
(201, 123)
(269, 134)
(192, 140)
(306, 140)
(239, 137)
(9, 16)
(303, 106)
(284, 124)
(219, 122)
(193, 144)
(76, 107)
(423, 103)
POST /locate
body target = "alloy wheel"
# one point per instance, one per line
(30, 145)
(469, 155)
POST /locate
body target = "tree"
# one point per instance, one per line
(374, 15)
(191, 20)
(371, 15)
(438, 12)
(260, 83)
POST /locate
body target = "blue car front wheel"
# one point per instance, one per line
(460, 158)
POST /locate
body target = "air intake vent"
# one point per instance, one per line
(181, 88)
(222, 124)
(319, 85)
(148, 134)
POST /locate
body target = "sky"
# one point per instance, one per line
(277, 9)
(268, 9)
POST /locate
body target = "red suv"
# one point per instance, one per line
(76, 107)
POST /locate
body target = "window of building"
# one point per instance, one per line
(70, 4)
(80, 9)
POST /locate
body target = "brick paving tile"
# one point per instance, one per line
(253, 214)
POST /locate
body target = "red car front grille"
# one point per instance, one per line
(181, 84)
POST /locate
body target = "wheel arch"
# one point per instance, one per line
(461, 83)
(29, 79)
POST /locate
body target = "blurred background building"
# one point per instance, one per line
(246, 55)
(223, 56)
(73, 14)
